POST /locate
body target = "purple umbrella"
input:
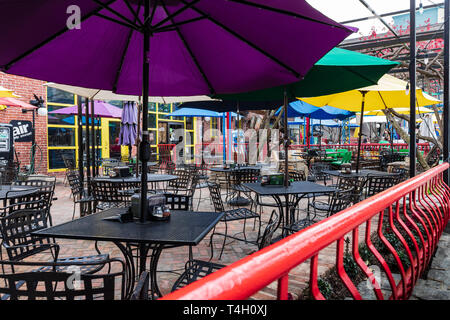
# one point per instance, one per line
(198, 46)
(101, 109)
(128, 132)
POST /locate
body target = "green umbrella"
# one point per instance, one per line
(339, 70)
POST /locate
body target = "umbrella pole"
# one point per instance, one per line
(88, 150)
(93, 151)
(80, 140)
(360, 130)
(286, 141)
(145, 146)
(137, 138)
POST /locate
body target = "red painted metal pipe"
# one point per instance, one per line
(247, 276)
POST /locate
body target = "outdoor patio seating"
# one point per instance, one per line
(236, 177)
(109, 194)
(377, 184)
(19, 242)
(197, 269)
(55, 280)
(79, 193)
(230, 215)
(338, 201)
(46, 190)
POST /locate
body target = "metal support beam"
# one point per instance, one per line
(412, 81)
(446, 120)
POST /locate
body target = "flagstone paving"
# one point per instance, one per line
(174, 259)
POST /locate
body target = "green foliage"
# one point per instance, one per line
(325, 288)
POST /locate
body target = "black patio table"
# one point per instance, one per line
(298, 189)
(150, 178)
(184, 228)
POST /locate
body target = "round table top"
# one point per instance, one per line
(9, 191)
(150, 178)
(222, 169)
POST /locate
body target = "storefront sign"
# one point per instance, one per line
(22, 130)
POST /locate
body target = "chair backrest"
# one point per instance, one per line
(178, 201)
(266, 238)
(297, 175)
(46, 188)
(108, 191)
(46, 281)
(247, 175)
(354, 183)
(182, 182)
(16, 229)
(32, 201)
(69, 161)
(216, 197)
(376, 184)
(340, 200)
(76, 186)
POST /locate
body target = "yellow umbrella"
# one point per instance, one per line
(6, 93)
(419, 110)
(390, 92)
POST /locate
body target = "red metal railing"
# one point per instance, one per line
(398, 228)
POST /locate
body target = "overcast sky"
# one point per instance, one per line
(343, 10)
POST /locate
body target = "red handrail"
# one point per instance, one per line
(419, 207)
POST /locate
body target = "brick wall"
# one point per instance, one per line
(25, 87)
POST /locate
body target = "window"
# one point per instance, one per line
(59, 96)
(55, 160)
(59, 137)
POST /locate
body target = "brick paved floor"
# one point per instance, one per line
(175, 258)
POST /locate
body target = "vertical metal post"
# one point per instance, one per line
(80, 139)
(446, 120)
(286, 141)
(145, 144)
(412, 81)
(93, 141)
(88, 149)
(358, 156)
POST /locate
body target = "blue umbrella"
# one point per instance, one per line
(192, 112)
(302, 109)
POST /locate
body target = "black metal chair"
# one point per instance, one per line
(46, 190)
(230, 215)
(79, 194)
(197, 269)
(109, 194)
(376, 183)
(316, 172)
(19, 242)
(61, 281)
(339, 200)
(236, 178)
(140, 291)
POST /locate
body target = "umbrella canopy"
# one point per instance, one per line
(5, 93)
(197, 47)
(13, 102)
(339, 70)
(390, 92)
(193, 112)
(302, 109)
(419, 110)
(101, 109)
(128, 130)
(96, 94)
